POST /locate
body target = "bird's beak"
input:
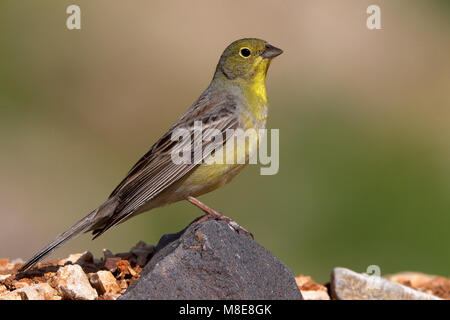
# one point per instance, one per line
(271, 51)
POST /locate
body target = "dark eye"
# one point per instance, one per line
(245, 52)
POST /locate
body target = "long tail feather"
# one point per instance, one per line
(81, 226)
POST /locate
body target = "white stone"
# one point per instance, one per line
(4, 276)
(72, 283)
(40, 291)
(13, 295)
(349, 285)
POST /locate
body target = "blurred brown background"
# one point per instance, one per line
(363, 116)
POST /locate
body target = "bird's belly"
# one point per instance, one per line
(205, 178)
(208, 176)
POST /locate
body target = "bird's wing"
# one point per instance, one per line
(156, 171)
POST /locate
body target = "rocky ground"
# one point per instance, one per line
(77, 277)
(208, 261)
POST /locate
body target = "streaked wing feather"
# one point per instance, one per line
(156, 171)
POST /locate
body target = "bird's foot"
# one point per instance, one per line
(218, 216)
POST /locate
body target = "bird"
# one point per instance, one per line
(236, 98)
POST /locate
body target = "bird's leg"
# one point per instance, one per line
(216, 215)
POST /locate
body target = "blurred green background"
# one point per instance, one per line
(363, 116)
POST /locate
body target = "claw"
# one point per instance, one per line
(218, 216)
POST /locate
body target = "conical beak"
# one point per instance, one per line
(271, 51)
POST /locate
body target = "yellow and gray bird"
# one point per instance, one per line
(235, 99)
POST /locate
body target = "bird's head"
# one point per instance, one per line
(246, 59)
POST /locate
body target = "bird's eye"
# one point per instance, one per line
(245, 52)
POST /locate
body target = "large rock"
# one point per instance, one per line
(209, 260)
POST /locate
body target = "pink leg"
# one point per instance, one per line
(216, 215)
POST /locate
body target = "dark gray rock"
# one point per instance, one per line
(209, 260)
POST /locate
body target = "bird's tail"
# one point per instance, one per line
(81, 226)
